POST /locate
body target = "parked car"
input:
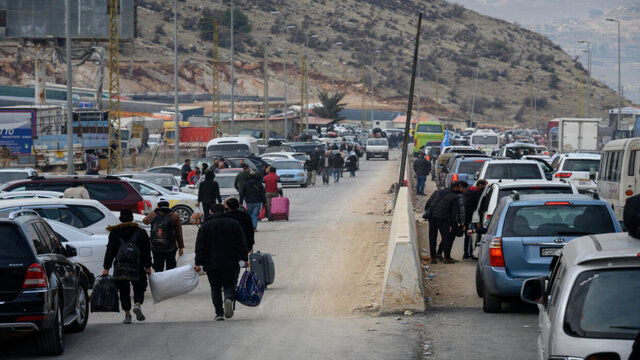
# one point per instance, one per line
(580, 169)
(589, 305)
(291, 172)
(493, 193)
(377, 147)
(526, 232)
(43, 194)
(42, 289)
(183, 204)
(90, 247)
(299, 156)
(175, 170)
(509, 170)
(464, 169)
(517, 150)
(307, 147)
(167, 181)
(11, 174)
(113, 192)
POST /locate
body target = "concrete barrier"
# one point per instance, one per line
(402, 289)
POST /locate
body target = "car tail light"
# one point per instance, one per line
(604, 356)
(455, 177)
(495, 252)
(563, 175)
(629, 192)
(428, 158)
(30, 318)
(557, 203)
(35, 277)
(489, 217)
(147, 206)
(140, 206)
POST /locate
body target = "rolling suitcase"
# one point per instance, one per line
(262, 265)
(280, 208)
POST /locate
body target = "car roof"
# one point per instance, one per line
(22, 169)
(501, 161)
(539, 199)
(528, 183)
(581, 156)
(285, 160)
(63, 201)
(521, 144)
(67, 178)
(601, 247)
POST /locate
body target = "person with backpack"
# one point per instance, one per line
(235, 212)
(208, 193)
(221, 250)
(252, 193)
(166, 236)
(129, 251)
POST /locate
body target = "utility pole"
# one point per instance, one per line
(372, 93)
(437, 103)
(284, 74)
(69, 88)
(580, 96)
(215, 116)
(303, 85)
(176, 113)
(266, 80)
(418, 92)
(589, 74)
(333, 93)
(619, 80)
(233, 81)
(364, 97)
(307, 79)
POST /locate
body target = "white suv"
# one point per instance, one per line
(590, 304)
(509, 170)
(377, 147)
(576, 168)
(11, 174)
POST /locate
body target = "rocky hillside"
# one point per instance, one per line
(455, 43)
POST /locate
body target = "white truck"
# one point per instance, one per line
(577, 134)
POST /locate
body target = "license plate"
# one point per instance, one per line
(549, 251)
(584, 182)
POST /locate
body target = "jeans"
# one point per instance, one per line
(206, 208)
(139, 287)
(254, 210)
(222, 280)
(440, 225)
(162, 258)
(325, 175)
(420, 184)
(352, 173)
(336, 175)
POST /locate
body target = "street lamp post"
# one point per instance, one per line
(284, 67)
(619, 81)
(535, 99)
(473, 103)
(333, 93)
(233, 111)
(589, 74)
(307, 81)
(266, 80)
(418, 92)
(372, 93)
(176, 114)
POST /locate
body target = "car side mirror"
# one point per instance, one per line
(592, 173)
(548, 176)
(533, 290)
(70, 251)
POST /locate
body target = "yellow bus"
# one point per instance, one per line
(426, 131)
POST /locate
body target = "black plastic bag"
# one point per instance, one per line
(104, 297)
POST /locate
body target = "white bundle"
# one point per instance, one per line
(170, 283)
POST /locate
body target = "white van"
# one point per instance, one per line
(485, 141)
(236, 146)
(619, 168)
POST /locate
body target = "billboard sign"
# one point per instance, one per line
(16, 130)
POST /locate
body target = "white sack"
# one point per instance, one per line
(189, 259)
(170, 283)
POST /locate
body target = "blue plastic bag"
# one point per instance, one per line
(250, 290)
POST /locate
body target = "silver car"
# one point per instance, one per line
(590, 304)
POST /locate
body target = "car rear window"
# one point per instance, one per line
(376, 142)
(106, 191)
(470, 167)
(513, 172)
(287, 165)
(484, 140)
(301, 157)
(605, 304)
(580, 165)
(557, 220)
(536, 190)
(6, 176)
(225, 181)
(91, 214)
(12, 242)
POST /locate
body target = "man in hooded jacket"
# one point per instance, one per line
(164, 255)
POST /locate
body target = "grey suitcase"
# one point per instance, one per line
(262, 265)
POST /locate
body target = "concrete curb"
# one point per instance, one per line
(402, 288)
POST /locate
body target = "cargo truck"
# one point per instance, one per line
(577, 134)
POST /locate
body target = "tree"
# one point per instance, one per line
(553, 82)
(240, 20)
(331, 106)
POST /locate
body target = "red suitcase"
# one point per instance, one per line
(280, 208)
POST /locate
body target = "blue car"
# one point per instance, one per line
(291, 172)
(464, 169)
(526, 232)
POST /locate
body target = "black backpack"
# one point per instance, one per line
(126, 266)
(162, 233)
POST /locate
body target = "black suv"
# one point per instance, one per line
(42, 290)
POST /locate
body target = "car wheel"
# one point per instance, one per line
(491, 303)
(50, 342)
(82, 310)
(184, 213)
(478, 282)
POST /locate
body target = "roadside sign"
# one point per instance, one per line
(16, 130)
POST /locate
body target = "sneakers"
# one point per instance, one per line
(449, 261)
(228, 308)
(470, 258)
(127, 319)
(219, 318)
(138, 312)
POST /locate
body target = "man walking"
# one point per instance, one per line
(271, 189)
(242, 177)
(119, 235)
(444, 209)
(338, 163)
(184, 172)
(76, 191)
(325, 167)
(208, 193)
(422, 167)
(310, 168)
(235, 212)
(220, 248)
(471, 199)
(166, 236)
(252, 193)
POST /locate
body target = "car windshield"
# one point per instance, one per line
(484, 140)
(377, 142)
(580, 164)
(306, 148)
(428, 128)
(301, 157)
(228, 150)
(557, 219)
(160, 181)
(470, 167)
(288, 165)
(519, 152)
(513, 171)
(534, 190)
(605, 304)
(6, 176)
(225, 181)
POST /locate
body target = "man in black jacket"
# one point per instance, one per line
(337, 165)
(445, 214)
(252, 193)
(220, 247)
(208, 193)
(471, 200)
(235, 212)
(422, 167)
(128, 230)
(184, 172)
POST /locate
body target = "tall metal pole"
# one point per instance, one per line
(619, 80)
(266, 86)
(589, 74)
(67, 17)
(176, 113)
(284, 75)
(418, 92)
(233, 81)
(333, 92)
(308, 63)
(372, 94)
(535, 102)
(473, 103)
